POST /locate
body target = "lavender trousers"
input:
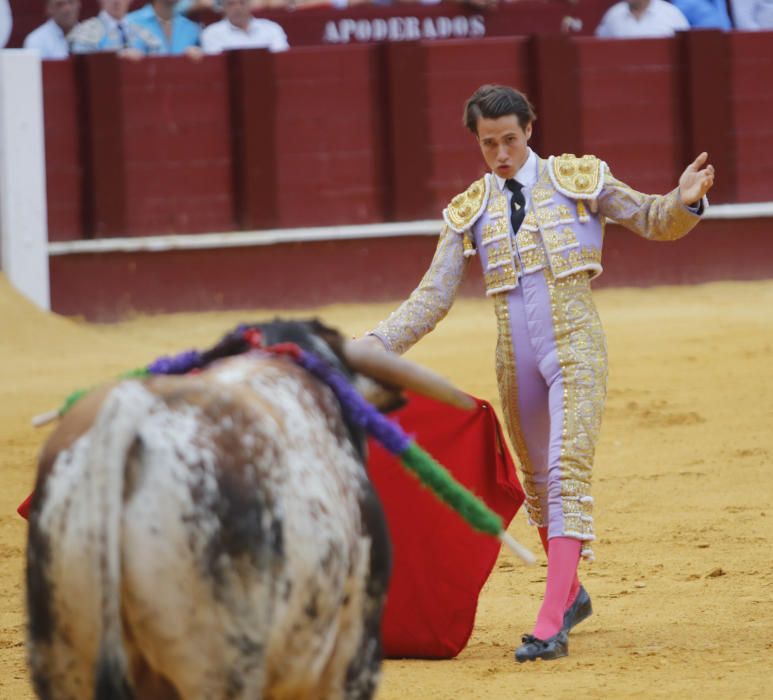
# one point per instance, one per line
(552, 372)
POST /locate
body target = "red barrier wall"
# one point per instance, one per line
(632, 108)
(359, 134)
(364, 134)
(329, 136)
(751, 80)
(64, 166)
(253, 128)
(105, 287)
(177, 144)
(160, 151)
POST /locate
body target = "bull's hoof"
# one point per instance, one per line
(534, 648)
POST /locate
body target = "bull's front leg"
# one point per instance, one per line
(364, 671)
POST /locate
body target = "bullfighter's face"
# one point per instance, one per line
(504, 144)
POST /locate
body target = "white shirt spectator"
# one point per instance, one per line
(260, 34)
(753, 14)
(6, 22)
(111, 23)
(659, 19)
(49, 40)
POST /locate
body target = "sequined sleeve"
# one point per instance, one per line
(429, 303)
(656, 217)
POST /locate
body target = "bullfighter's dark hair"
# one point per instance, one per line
(494, 101)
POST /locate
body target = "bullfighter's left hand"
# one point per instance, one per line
(696, 180)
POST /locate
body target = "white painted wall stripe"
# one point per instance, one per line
(240, 239)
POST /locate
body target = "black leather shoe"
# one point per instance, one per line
(578, 611)
(534, 648)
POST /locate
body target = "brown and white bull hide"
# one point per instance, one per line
(206, 537)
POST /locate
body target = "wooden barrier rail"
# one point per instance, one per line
(362, 134)
(106, 279)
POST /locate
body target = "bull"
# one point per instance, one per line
(214, 536)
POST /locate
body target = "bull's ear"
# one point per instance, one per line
(384, 398)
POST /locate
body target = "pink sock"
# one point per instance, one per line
(575, 588)
(563, 557)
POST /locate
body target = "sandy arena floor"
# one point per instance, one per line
(683, 583)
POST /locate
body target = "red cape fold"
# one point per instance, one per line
(439, 563)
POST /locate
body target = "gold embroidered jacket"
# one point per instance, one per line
(560, 231)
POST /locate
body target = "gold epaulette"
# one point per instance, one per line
(465, 208)
(579, 178)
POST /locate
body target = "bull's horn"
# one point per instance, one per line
(45, 418)
(391, 369)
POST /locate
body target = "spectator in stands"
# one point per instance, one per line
(631, 19)
(111, 30)
(753, 14)
(6, 22)
(177, 34)
(705, 14)
(240, 30)
(50, 39)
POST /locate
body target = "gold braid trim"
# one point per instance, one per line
(507, 381)
(582, 356)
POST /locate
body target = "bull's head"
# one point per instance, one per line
(378, 375)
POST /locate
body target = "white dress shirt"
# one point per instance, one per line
(6, 22)
(260, 34)
(49, 40)
(753, 14)
(112, 24)
(660, 19)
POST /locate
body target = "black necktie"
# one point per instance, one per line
(124, 38)
(517, 204)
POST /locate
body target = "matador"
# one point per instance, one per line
(537, 227)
